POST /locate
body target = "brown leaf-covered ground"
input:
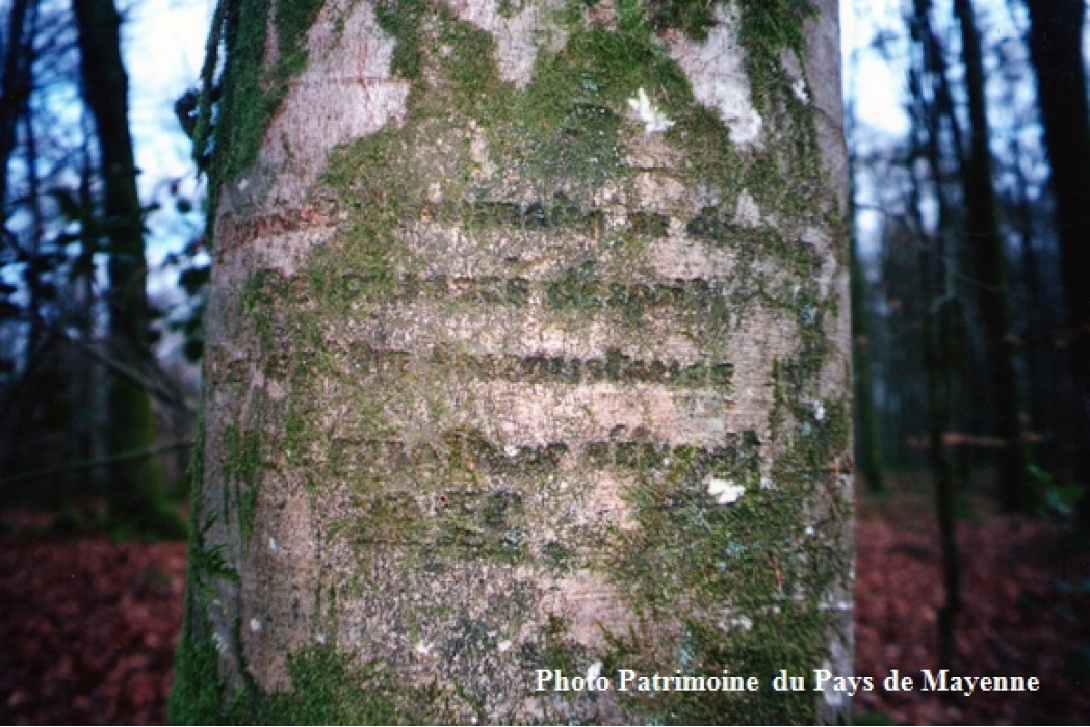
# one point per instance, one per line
(1026, 612)
(87, 629)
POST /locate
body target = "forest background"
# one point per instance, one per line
(970, 147)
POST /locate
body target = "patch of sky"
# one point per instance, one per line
(163, 43)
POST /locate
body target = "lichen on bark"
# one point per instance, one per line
(487, 350)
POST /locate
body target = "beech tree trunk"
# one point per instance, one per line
(528, 359)
(868, 443)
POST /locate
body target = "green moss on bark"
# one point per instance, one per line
(326, 689)
(252, 93)
(196, 697)
(242, 465)
(745, 582)
(401, 19)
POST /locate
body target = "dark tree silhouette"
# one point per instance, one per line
(1016, 492)
(1056, 47)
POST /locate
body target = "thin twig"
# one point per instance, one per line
(98, 462)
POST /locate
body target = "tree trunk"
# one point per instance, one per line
(135, 489)
(934, 111)
(528, 359)
(868, 445)
(1016, 490)
(1056, 46)
(15, 85)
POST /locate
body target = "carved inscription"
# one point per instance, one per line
(482, 457)
(613, 366)
(574, 288)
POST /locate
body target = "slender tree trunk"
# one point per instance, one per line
(937, 330)
(868, 445)
(33, 275)
(15, 83)
(135, 490)
(528, 360)
(1016, 491)
(1056, 47)
(935, 113)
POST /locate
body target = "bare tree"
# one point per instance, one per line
(135, 489)
(1056, 45)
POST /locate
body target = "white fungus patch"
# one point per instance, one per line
(730, 622)
(724, 491)
(746, 211)
(793, 67)
(716, 69)
(594, 671)
(423, 648)
(255, 625)
(274, 547)
(799, 89)
(652, 118)
(504, 645)
(819, 411)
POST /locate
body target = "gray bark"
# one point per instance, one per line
(528, 350)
